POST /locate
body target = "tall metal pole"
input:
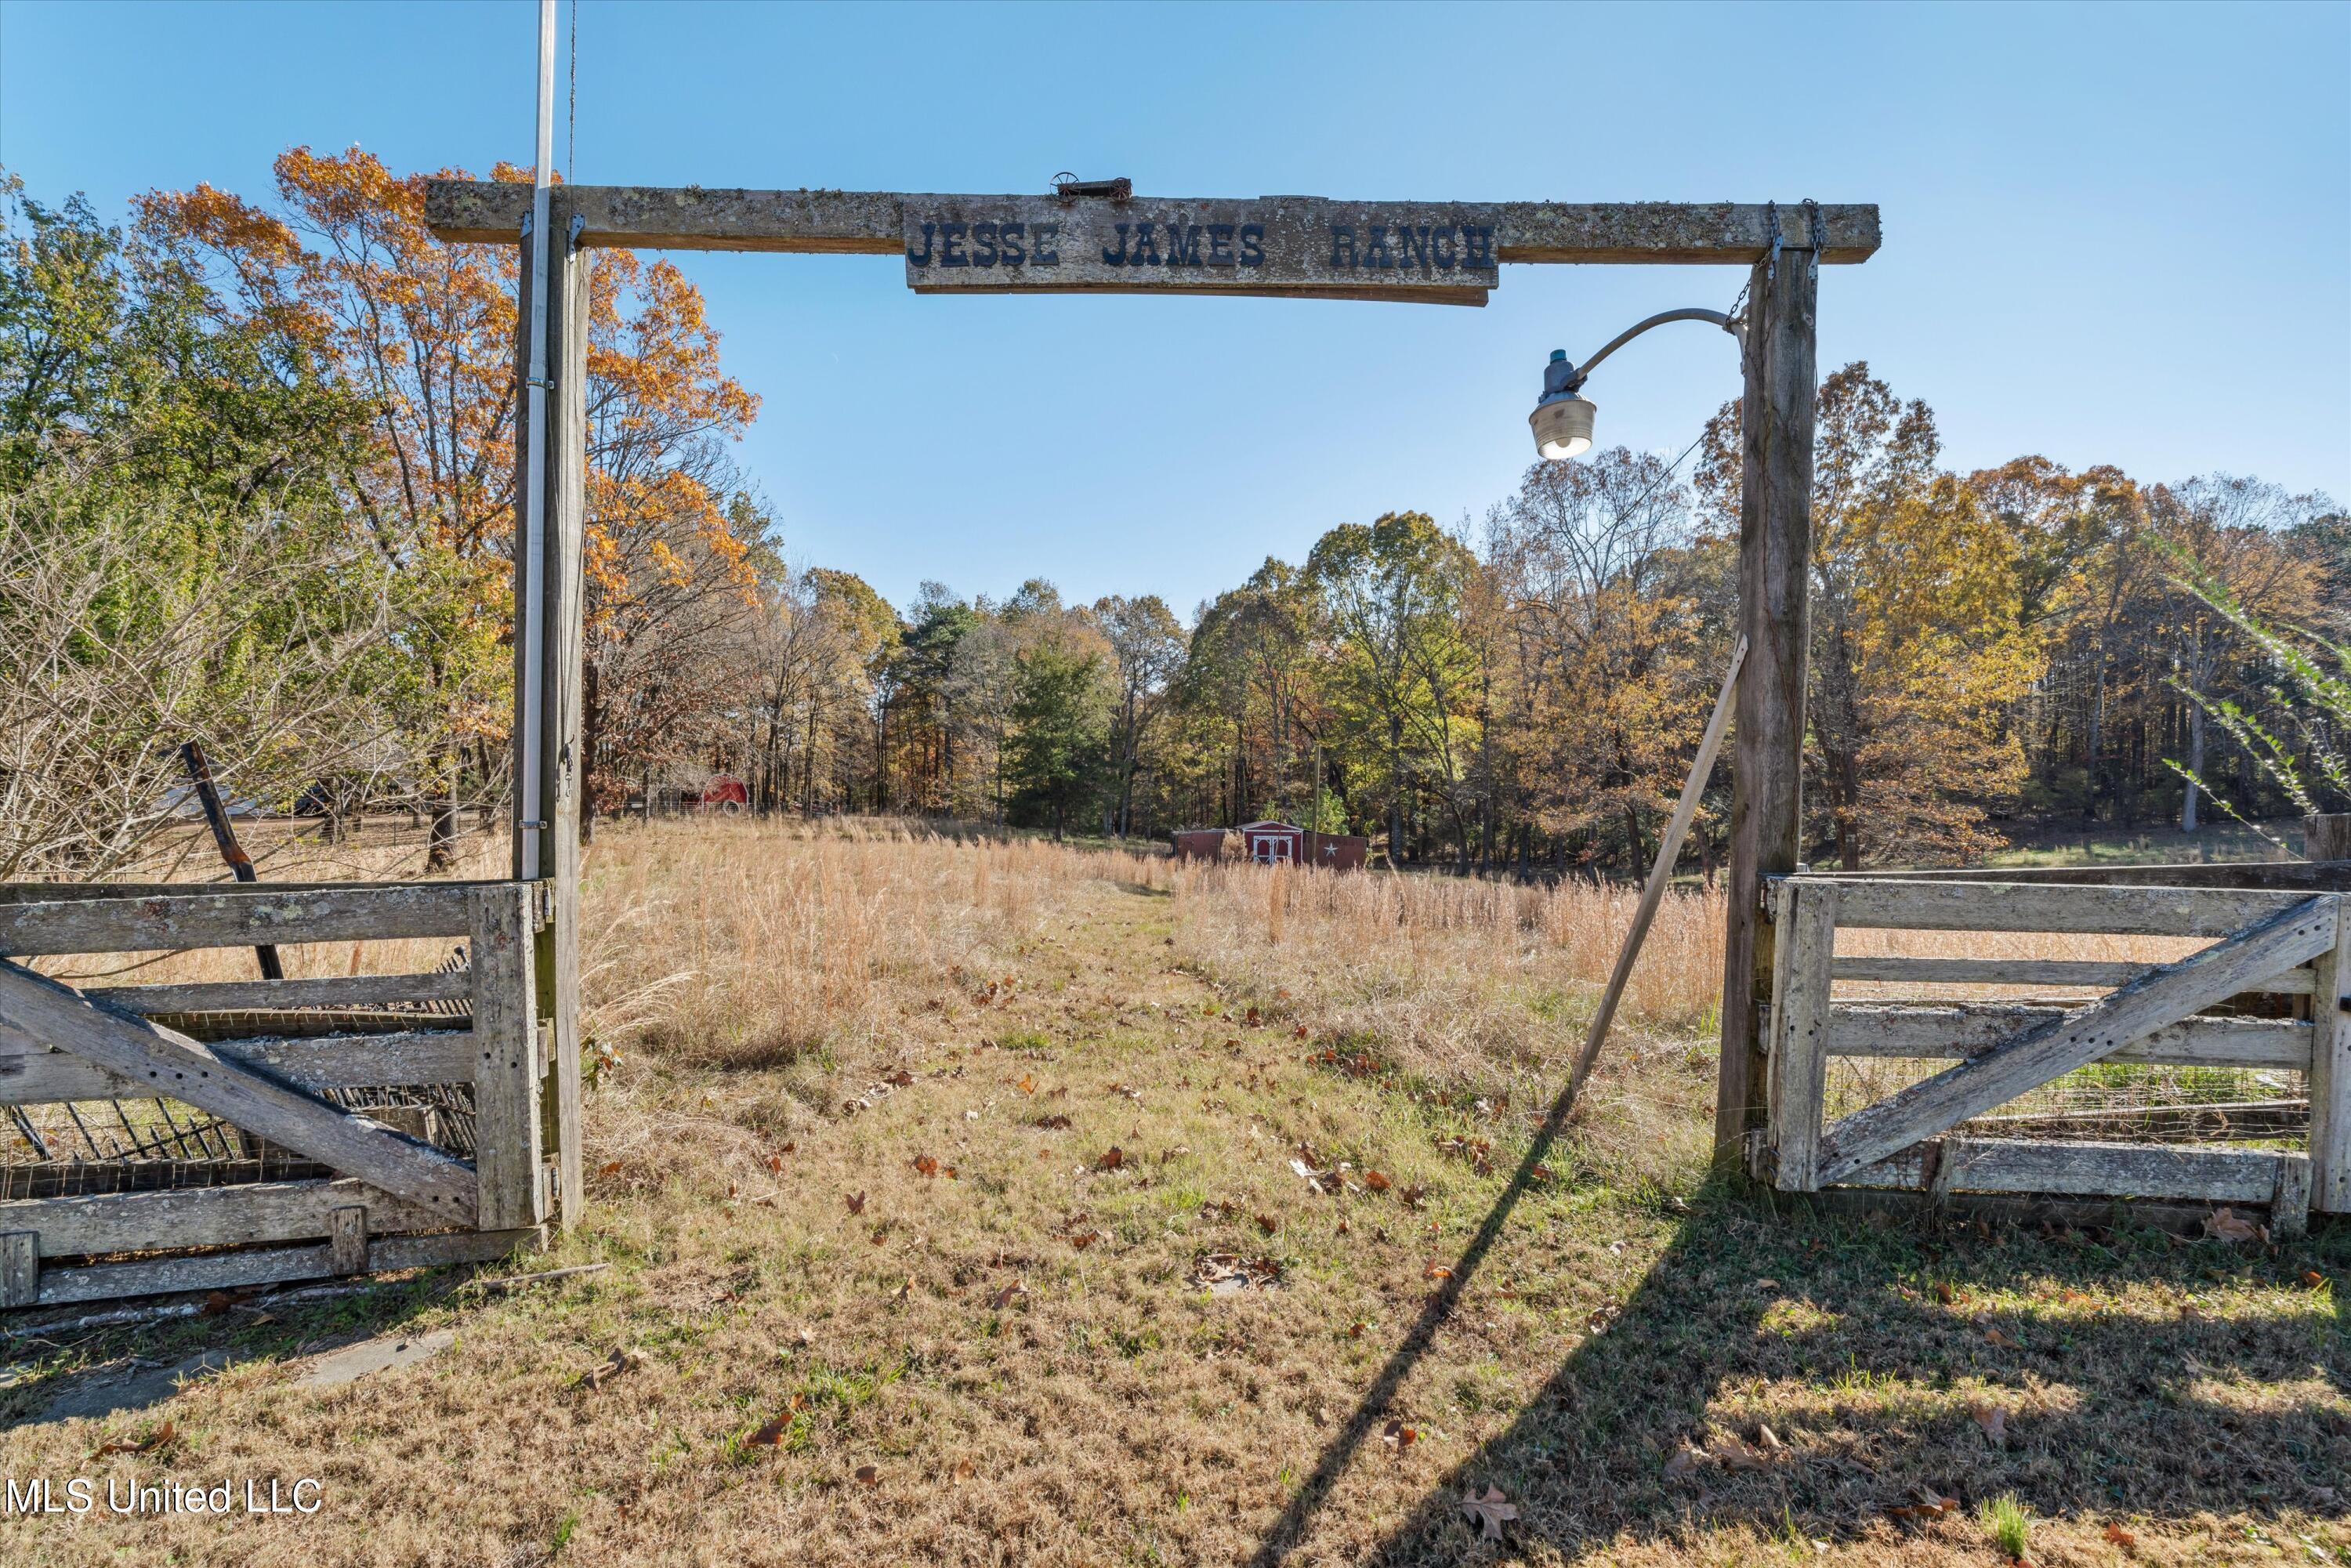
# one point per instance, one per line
(532, 611)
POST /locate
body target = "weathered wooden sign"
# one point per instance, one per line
(882, 223)
(1291, 247)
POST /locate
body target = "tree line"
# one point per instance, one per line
(2017, 650)
(256, 488)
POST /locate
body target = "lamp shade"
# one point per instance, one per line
(1562, 426)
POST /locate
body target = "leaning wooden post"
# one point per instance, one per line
(557, 863)
(1775, 541)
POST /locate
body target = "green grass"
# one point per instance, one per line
(2144, 846)
(2010, 1529)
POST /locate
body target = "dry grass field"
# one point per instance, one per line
(971, 1200)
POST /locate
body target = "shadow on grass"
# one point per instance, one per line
(2137, 1374)
(2119, 1395)
(64, 1372)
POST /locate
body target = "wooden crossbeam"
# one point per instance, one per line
(2079, 1169)
(33, 1074)
(2101, 973)
(1916, 1031)
(262, 996)
(255, 913)
(872, 223)
(2057, 1045)
(1903, 905)
(35, 1010)
(204, 1216)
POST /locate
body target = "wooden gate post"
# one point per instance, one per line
(563, 769)
(1775, 546)
(2330, 1067)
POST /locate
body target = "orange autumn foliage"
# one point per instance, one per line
(426, 332)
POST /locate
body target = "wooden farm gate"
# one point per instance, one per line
(2261, 996)
(284, 1129)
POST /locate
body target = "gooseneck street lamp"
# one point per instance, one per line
(1562, 417)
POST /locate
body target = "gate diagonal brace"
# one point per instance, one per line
(2056, 1046)
(38, 1012)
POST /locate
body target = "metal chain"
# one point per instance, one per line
(1819, 232)
(1772, 218)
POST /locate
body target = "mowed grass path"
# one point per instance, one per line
(945, 1297)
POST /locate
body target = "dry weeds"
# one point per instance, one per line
(881, 1293)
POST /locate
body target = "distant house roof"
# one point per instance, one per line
(1283, 827)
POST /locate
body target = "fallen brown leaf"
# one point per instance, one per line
(857, 1204)
(1111, 1159)
(926, 1164)
(1028, 1085)
(1944, 1293)
(2121, 1537)
(1998, 1340)
(620, 1362)
(1992, 1419)
(868, 1476)
(1374, 1181)
(1268, 1223)
(2228, 1225)
(153, 1440)
(1738, 1455)
(770, 1435)
(609, 1168)
(1398, 1436)
(1489, 1512)
(2314, 1279)
(1933, 1508)
(1436, 1271)
(1686, 1459)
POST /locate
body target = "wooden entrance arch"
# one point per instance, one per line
(1099, 237)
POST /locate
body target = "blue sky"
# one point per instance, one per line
(2113, 233)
